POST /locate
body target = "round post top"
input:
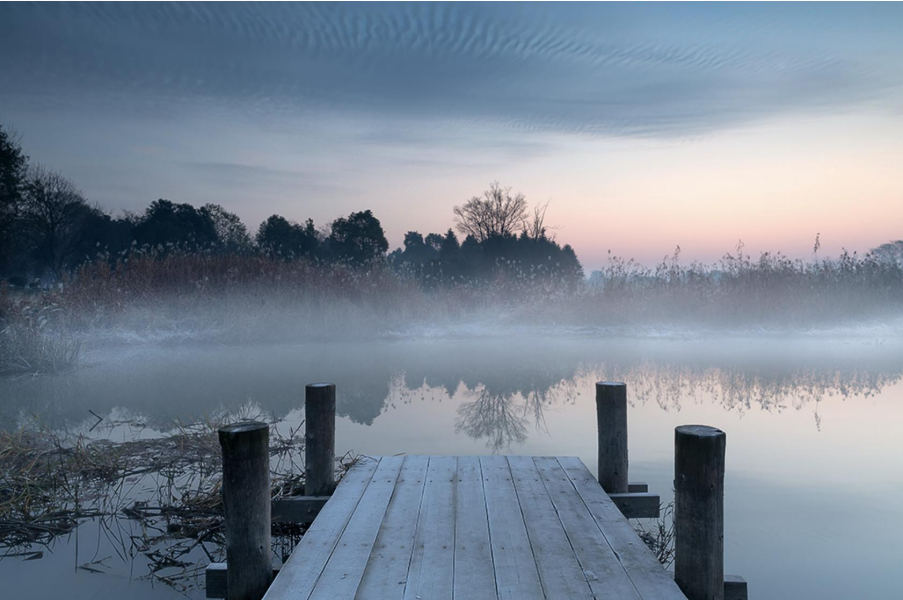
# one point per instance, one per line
(610, 383)
(242, 427)
(699, 431)
(320, 385)
(244, 435)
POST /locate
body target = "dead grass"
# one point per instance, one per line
(659, 536)
(158, 498)
(34, 338)
(153, 296)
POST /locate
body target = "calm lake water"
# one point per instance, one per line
(814, 427)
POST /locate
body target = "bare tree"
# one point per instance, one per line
(497, 213)
(495, 417)
(536, 225)
(54, 212)
(231, 233)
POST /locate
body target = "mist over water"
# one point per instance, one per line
(206, 206)
(813, 423)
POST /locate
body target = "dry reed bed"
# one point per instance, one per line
(158, 499)
(153, 296)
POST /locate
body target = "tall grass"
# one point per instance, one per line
(33, 338)
(168, 294)
(771, 292)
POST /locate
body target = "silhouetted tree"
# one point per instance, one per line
(231, 233)
(166, 223)
(434, 241)
(357, 239)
(13, 164)
(497, 213)
(450, 249)
(55, 217)
(287, 238)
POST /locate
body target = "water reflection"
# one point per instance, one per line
(501, 388)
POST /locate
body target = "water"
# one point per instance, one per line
(814, 426)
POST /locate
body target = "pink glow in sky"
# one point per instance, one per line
(646, 126)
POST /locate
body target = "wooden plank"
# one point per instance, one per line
(647, 574)
(640, 505)
(345, 569)
(735, 588)
(431, 574)
(602, 569)
(474, 573)
(387, 569)
(300, 573)
(297, 509)
(216, 584)
(561, 574)
(637, 487)
(516, 575)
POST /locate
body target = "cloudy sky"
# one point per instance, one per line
(645, 125)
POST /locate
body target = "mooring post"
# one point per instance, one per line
(246, 500)
(699, 511)
(319, 439)
(611, 418)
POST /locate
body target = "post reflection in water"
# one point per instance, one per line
(501, 390)
(801, 415)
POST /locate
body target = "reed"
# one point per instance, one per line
(171, 294)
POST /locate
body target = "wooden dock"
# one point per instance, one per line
(410, 527)
(488, 527)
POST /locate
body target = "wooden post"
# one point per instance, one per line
(699, 511)
(611, 418)
(246, 500)
(319, 439)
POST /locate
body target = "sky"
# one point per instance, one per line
(645, 126)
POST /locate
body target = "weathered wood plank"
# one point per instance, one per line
(474, 574)
(387, 569)
(603, 571)
(735, 588)
(216, 584)
(431, 574)
(646, 573)
(297, 509)
(516, 575)
(561, 574)
(300, 573)
(637, 487)
(215, 580)
(637, 505)
(345, 569)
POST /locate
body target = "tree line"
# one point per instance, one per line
(48, 228)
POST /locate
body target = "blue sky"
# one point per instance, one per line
(685, 124)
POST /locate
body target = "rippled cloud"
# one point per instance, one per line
(598, 69)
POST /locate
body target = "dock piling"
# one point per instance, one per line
(611, 418)
(319, 439)
(699, 511)
(246, 501)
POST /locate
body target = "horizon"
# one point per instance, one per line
(646, 127)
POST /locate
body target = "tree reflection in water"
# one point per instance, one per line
(501, 388)
(503, 416)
